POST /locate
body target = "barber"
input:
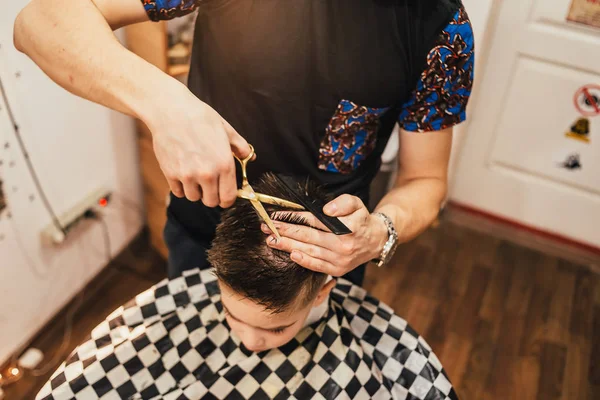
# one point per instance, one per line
(316, 86)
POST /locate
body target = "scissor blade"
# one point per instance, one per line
(265, 198)
(265, 216)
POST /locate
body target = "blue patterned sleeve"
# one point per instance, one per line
(168, 9)
(443, 90)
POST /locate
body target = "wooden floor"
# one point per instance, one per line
(507, 322)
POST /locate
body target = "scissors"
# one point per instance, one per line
(256, 199)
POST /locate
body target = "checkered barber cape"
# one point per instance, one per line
(173, 342)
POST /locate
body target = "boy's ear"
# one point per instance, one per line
(324, 292)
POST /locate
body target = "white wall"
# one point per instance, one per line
(76, 147)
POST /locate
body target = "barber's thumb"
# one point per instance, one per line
(239, 145)
(343, 205)
(241, 149)
(331, 209)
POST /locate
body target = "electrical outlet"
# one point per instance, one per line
(93, 202)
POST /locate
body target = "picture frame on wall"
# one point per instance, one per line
(585, 12)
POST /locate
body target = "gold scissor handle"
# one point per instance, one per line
(244, 162)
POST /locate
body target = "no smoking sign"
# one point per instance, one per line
(587, 100)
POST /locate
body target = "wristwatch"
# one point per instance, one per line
(389, 248)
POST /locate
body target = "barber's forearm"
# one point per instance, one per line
(413, 205)
(74, 45)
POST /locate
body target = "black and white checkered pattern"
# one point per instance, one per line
(173, 342)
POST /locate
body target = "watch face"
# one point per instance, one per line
(392, 243)
(390, 254)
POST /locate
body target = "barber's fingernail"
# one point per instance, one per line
(296, 256)
(265, 228)
(330, 208)
(272, 240)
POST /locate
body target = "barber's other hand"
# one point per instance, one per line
(322, 251)
(193, 145)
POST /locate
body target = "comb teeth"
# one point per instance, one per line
(287, 184)
(314, 206)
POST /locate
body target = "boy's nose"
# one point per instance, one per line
(252, 341)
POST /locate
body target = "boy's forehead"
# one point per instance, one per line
(251, 313)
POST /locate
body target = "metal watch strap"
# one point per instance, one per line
(390, 244)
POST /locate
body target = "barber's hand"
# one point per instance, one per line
(193, 145)
(322, 251)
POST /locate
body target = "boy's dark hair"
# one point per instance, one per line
(243, 261)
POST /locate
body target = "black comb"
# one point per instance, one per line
(314, 206)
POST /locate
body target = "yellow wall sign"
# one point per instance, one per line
(580, 130)
(585, 12)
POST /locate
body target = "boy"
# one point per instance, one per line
(258, 326)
